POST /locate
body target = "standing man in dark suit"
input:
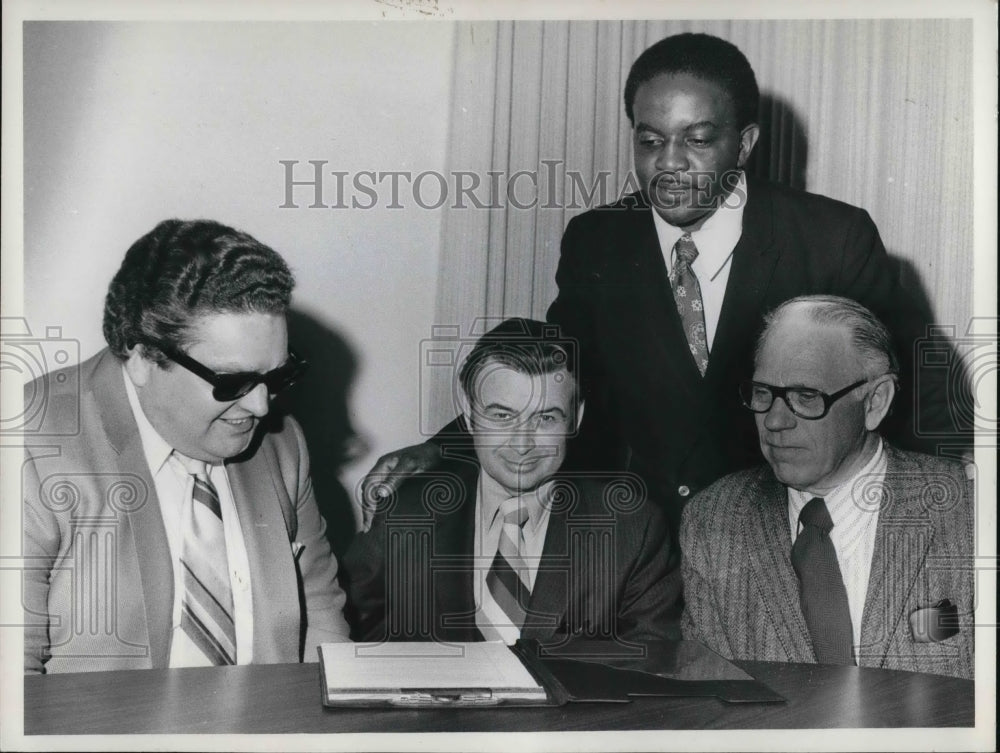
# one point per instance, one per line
(495, 543)
(842, 549)
(665, 290)
(167, 522)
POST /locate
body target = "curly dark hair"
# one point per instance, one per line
(706, 57)
(184, 269)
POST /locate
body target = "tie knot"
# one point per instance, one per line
(685, 249)
(197, 468)
(514, 512)
(815, 514)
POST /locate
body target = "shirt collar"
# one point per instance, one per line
(725, 224)
(848, 500)
(493, 495)
(155, 447)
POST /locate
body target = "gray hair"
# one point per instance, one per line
(869, 336)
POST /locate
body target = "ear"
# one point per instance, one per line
(138, 367)
(579, 415)
(465, 408)
(878, 401)
(748, 139)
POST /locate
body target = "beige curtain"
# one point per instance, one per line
(876, 113)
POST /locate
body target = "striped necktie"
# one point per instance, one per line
(207, 606)
(822, 593)
(687, 297)
(509, 578)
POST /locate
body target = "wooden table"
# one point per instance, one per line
(286, 698)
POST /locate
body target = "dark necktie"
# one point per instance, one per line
(508, 578)
(207, 605)
(821, 586)
(687, 296)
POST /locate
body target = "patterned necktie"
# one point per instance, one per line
(821, 587)
(687, 296)
(207, 606)
(508, 578)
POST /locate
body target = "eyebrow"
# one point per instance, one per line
(700, 124)
(793, 386)
(501, 406)
(552, 410)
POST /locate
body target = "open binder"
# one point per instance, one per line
(529, 673)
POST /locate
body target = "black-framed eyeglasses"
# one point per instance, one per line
(227, 387)
(804, 402)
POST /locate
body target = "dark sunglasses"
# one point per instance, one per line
(229, 387)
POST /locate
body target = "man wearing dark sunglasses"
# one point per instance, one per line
(205, 512)
(842, 549)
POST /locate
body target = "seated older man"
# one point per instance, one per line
(167, 521)
(843, 549)
(495, 543)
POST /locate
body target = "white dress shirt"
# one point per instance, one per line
(173, 485)
(716, 240)
(491, 620)
(853, 507)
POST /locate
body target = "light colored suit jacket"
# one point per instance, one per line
(741, 593)
(98, 582)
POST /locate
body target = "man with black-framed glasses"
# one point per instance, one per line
(843, 549)
(169, 520)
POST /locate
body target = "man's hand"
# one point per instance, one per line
(391, 470)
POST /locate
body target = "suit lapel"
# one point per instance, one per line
(754, 260)
(550, 596)
(453, 570)
(901, 547)
(145, 524)
(769, 544)
(266, 538)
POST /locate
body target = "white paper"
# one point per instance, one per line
(390, 667)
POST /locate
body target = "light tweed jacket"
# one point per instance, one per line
(741, 593)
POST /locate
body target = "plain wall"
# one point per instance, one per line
(126, 124)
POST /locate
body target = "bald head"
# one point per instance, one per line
(871, 341)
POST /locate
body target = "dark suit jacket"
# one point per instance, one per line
(682, 430)
(741, 593)
(98, 582)
(607, 570)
